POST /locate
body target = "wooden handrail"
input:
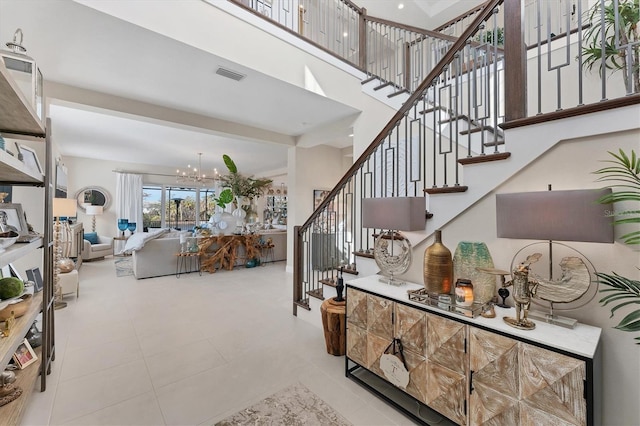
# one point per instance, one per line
(460, 17)
(573, 112)
(417, 95)
(422, 31)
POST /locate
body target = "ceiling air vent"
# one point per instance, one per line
(230, 74)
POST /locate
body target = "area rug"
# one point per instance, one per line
(295, 405)
(124, 267)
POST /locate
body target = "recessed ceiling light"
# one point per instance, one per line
(345, 34)
(400, 6)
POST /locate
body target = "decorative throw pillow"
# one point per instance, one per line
(92, 237)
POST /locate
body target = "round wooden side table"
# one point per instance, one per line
(333, 323)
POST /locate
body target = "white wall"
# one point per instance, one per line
(569, 165)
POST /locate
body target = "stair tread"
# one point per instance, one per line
(480, 129)
(446, 189)
(383, 85)
(368, 80)
(485, 158)
(363, 254)
(454, 118)
(399, 92)
(317, 293)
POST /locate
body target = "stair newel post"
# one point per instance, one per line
(362, 39)
(297, 268)
(515, 68)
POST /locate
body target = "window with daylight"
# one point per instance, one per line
(176, 207)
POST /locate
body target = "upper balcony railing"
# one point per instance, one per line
(563, 54)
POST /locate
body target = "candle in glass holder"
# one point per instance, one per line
(464, 292)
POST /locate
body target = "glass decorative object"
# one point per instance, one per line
(392, 253)
(438, 267)
(123, 225)
(468, 258)
(131, 226)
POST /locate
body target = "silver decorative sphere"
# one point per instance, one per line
(66, 265)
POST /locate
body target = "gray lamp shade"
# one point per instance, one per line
(555, 215)
(395, 213)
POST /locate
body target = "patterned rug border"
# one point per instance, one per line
(293, 405)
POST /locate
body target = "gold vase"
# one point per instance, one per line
(438, 267)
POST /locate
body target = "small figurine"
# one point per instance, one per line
(523, 290)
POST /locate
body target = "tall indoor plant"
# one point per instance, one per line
(603, 25)
(241, 185)
(624, 171)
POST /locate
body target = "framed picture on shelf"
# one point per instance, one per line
(9, 271)
(29, 157)
(24, 355)
(12, 218)
(34, 275)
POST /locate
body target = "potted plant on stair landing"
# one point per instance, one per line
(620, 34)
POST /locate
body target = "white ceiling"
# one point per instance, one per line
(80, 47)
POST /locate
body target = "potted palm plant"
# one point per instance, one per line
(243, 188)
(611, 30)
(624, 171)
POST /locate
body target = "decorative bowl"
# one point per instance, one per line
(19, 307)
(7, 241)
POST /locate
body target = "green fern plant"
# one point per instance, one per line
(625, 172)
(626, 292)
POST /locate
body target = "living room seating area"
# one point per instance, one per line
(96, 247)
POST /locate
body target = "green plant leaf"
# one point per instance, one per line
(230, 164)
(631, 322)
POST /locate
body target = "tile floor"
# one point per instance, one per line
(188, 351)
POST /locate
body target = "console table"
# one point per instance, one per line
(225, 250)
(474, 370)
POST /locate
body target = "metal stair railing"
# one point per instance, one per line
(417, 151)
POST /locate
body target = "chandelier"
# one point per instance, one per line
(195, 175)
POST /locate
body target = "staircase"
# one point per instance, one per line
(459, 131)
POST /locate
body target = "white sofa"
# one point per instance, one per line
(97, 251)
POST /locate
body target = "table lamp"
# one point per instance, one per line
(93, 211)
(392, 251)
(62, 207)
(571, 215)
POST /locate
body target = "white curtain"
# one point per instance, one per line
(129, 198)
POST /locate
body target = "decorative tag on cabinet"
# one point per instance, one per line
(393, 366)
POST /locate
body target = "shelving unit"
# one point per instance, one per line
(19, 120)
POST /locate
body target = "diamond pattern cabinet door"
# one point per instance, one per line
(357, 344)
(495, 379)
(357, 308)
(380, 317)
(551, 387)
(417, 366)
(446, 367)
(411, 328)
(376, 346)
(445, 343)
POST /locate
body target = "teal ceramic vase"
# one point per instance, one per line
(469, 256)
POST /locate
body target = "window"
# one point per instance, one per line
(176, 207)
